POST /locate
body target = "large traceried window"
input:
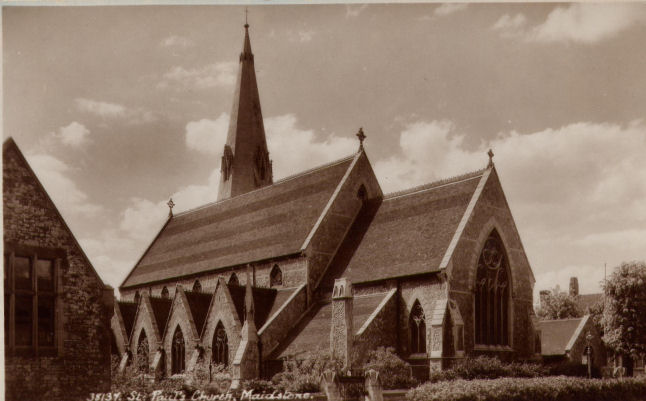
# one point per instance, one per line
(178, 352)
(31, 288)
(417, 327)
(220, 346)
(492, 294)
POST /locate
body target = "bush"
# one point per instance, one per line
(569, 368)
(558, 388)
(303, 375)
(484, 367)
(393, 371)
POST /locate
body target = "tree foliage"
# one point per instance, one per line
(558, 305)
(624, 315)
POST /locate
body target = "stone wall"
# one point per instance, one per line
(428, 290)
(81, 362)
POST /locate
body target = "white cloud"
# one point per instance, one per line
(209, 76)
(207, 135)
(579, 23)
(54, 175)
(588, 276)
(305, 36)
(103, 109)
(449, 8)
(353, 10)
(74, 134)
(177, 41)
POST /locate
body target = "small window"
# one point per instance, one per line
(275, 277)
(197, 287)
(178, 352)
(234, 279)
(164, 293)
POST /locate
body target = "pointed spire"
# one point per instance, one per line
(245, 161)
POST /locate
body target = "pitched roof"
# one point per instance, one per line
(266, 223)
(556, 335)
(263, 302)
(128, 312)
(161, 310)
(199, 303)
(313, 333)
(587, 301)
(408, 233)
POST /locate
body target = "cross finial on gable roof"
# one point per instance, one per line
(361, 137)
(490, 154)
(170, 204)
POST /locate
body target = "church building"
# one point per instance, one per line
(324, 260)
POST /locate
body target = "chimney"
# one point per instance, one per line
(341, 335)
(543, 297)
(574, 286)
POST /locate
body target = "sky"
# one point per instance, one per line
(118, 109)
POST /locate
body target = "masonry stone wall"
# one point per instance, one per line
(428, 290)
(81, 363)
(179, 318)
(599, 351)
(145, 323)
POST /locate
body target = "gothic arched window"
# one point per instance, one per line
(178, 352)
(220, 347)
(234, 279)
(362, 194)
(165, 293)
(197, 287)
(142, 353)
(137, 296)
(492, 294)
(275, 277)
(417, 326)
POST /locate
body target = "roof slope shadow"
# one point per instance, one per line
(263, 302)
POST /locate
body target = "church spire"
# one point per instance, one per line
(245, 159)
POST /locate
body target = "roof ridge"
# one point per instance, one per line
(562, 320)
(281, 181)
(434, 184)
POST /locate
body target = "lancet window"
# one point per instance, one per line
(178, 352)
(220, 346)
(417, 327)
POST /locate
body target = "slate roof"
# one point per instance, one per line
(263, 301)
(587, 301)
(199, 303)
(161, 310)
(314, 333)
(128, 312)
(409, 232)
(269, 222)
(556, 334)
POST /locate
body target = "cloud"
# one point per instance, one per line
(305, 36)
(207, 135)
(115, 111)
(177, 41)
(449, 8)
(353, 11)
(74, 134)
(209, 76)
(586, 23)
(54, 175)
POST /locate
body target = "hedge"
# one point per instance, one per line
(557, 388)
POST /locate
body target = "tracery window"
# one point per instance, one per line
(164, 293)
(220, 346)
(492, 294)
(197, 286)
(142, 353)
(234, 279)
(31, 291)
(275, 277)
(417, 326)
(178, 362)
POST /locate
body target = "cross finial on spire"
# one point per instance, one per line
(490, 154)
(170, 204)
(361, 137)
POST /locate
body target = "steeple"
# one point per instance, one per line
(245, 159)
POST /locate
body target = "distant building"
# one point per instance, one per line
(565, 339)
(57, 309)
(323, 260)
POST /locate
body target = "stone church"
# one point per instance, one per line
(323, 260)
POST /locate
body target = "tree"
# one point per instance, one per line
(624, 317)
(557, 304)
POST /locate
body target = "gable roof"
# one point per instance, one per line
(558, 336)
(198, 303)
(10, 145)
(587, 301)
(266, 223)
(409, 232)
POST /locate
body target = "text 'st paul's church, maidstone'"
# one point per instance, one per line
(323, 260)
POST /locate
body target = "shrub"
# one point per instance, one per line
(393, 371)
(484, 367)
(570, 368)
(558, 388)
(303, 375)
